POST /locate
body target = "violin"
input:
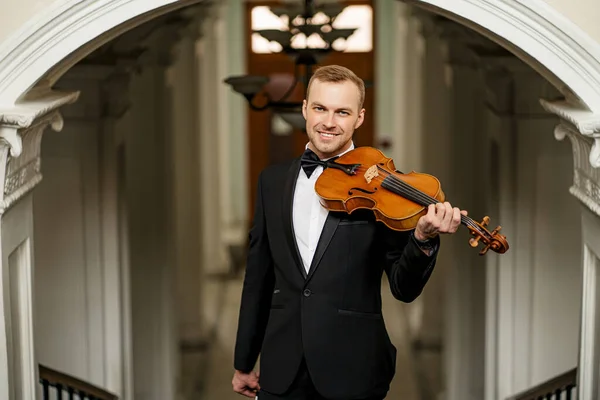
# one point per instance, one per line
(364, 178)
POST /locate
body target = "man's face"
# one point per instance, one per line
(332, 114)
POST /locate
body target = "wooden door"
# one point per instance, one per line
(265, 147)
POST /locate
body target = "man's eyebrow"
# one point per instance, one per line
(317, 104)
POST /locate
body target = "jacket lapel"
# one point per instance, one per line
(288, 226)
(329, 228)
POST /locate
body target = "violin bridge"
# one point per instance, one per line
(371, 173)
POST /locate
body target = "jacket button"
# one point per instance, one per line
(307, 292)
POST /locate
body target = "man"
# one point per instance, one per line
(311, 301)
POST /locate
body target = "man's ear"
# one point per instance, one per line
(304, 108)
(360, 119)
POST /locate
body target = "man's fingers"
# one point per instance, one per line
(431, 210)
(440, 210)
(246, 390)
(455, 219)
(248, 393)
(441, 218)
(445, 218)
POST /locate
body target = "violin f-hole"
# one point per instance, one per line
(361, 190)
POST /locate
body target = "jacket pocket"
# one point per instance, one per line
(359, 314)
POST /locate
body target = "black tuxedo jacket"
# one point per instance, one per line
(332, 315)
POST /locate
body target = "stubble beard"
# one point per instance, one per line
(328, 149)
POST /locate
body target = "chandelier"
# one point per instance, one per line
(306, 19)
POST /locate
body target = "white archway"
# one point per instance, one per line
(538, 34)
(63, 34)
(552, 45)
(68, 30)
(559, 50)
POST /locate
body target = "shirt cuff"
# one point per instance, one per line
(429, 246)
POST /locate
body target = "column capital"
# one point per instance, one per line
(21, 130)
(582, 127)
(582, 121)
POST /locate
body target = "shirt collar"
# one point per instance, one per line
(339, 155)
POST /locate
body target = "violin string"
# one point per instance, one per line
(418, 195)
(424, 198)
(399, 184)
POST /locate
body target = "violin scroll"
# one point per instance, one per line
(491, 240)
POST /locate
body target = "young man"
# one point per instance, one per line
(311, 301)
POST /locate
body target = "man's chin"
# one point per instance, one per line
(330, 150)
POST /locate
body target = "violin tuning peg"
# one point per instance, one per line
(485, 221)
(474, 242)
(484, 250)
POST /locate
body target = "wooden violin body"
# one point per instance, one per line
(365, 178)
(342, 192)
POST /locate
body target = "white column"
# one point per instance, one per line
(422, 144)
(464, 289)
(211, 130)
(234, 45)
(21, 132)
(116, 291)
(387, 15)
(230, 39)
(184, 159)
(586, 188)
(154, 316)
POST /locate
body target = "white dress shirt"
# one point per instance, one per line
(308, 214)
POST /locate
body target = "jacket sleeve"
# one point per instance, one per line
(408, 268)
(259, 282)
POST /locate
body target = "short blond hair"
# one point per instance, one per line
(337, 74)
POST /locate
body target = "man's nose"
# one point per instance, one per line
(330, 121)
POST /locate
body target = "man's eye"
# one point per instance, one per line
(343, 112)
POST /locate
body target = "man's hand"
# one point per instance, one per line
(440, 218)
(246, 384)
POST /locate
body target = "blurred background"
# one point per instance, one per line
(140, 223)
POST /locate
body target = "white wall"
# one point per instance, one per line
(20, 13)
(583, 13)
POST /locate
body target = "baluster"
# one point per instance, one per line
(71, 393)
(569, 391)
(59, 391)
(45, 390)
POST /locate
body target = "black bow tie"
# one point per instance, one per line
(310, 161)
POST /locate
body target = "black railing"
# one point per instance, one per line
(561, 387)
(62, 386)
